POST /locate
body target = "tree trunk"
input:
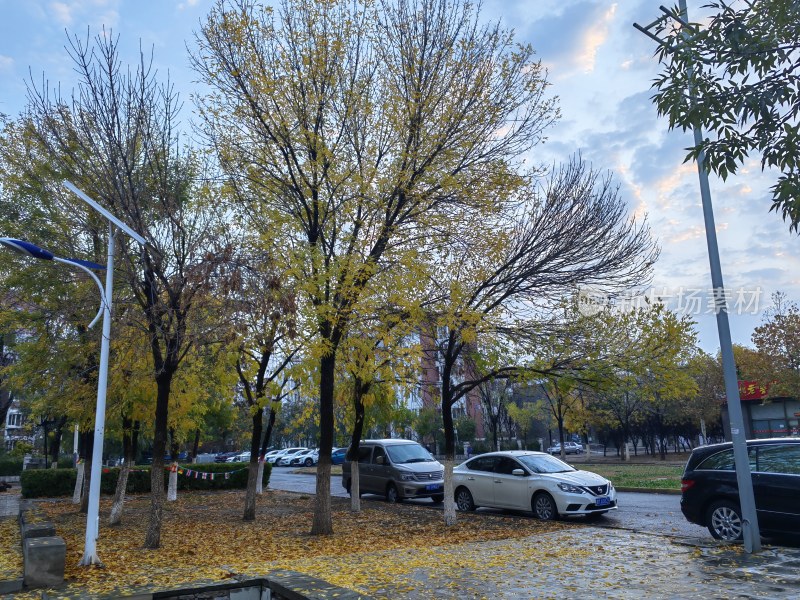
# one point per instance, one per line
(355, 487)
(260, 477)
(195, 445)
(153, 537)
(129, 440)
(359, 389)
(450, 517)
(77, 494)
(323, 524)
(263, 451)
(253, 471)
(255, 468)
(119, 495)
(87, 444)
(172, 489)
(55, 446)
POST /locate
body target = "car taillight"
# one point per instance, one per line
(686, 484)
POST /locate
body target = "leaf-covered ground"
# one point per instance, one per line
(10, 549)
(204, 538)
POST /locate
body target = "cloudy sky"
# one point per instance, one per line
(600, 67)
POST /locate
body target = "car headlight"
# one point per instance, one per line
(569, 488)
(406, 476)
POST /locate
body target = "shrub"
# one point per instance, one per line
(38, 483)
(10, 466)
(65, 462)
(50, 483)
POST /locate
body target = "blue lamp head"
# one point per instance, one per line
(26, 248)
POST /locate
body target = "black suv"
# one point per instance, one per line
(710, 494)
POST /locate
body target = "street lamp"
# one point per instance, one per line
(106, 292)
(750, 530)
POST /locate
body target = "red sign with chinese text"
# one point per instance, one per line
(752, 390)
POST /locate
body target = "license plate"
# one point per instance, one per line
(602, 501)
(433, 487)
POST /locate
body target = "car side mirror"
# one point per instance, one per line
(379, 460)
(518, 472)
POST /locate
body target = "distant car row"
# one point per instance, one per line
(285, 457)
(569, 448)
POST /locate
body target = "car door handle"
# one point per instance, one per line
(498, 481)
(470, 479)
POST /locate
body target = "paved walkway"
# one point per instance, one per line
(9, 502)
(585, 562)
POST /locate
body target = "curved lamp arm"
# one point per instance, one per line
(85, 266)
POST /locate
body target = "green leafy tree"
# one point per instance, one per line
(745, 66)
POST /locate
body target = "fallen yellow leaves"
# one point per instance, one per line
(11, 554)
(204, 538)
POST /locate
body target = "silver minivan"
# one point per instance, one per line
(396, 469)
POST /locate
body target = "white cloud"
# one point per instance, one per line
(187, 4)
(6, 63)
(594, 37)
(62, 12)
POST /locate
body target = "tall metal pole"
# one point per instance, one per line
(750, 529)
(93, 516)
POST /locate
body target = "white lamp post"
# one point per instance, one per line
(92, 518)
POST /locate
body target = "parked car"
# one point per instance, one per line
(270, 455)
(710, 493)
(569, 448)
(240, 457)
(224, 456)
(282, 460)
(531, 481)
(396, 469)
(307, 458)
(337, 456)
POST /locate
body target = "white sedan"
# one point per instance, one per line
(531, 481)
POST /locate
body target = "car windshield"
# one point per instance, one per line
(544, 463)
(408, 453)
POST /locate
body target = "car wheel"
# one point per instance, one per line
(724, 520)
(544, 507)
(392, 495)
(464, 500)
(438, 498)
(309, 462)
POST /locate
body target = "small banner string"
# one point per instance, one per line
(194, 474)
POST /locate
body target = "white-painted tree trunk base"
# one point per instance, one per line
(450, 517)
(259, 484)
(355, 488)
(76, 495)
(172, 491)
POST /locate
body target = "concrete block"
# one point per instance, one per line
(34, 530)
(10, 586)
(44, 561)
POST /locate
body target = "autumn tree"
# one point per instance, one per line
(117, 138)
(262, 304)
(743, 64)
(777, 340)
(648, 370)
(361, 124)
(570, 230)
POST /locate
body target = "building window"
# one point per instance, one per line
(14, 419)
